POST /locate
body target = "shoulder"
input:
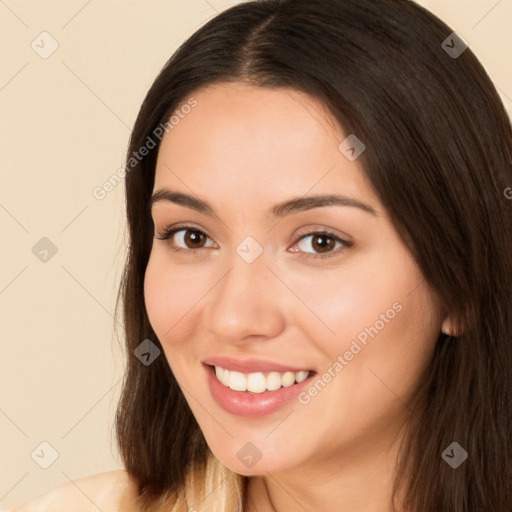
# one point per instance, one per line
(112, 491)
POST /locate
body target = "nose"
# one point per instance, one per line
(246, 303)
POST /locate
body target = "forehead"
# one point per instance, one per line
(258, 102)
(268, 141)
(231, 116)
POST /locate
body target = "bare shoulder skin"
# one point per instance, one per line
(111, 491)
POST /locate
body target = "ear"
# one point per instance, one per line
(448, 327)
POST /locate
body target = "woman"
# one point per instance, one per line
(316, 294)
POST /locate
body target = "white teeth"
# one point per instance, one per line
(237, 381)
(257, 382)
(300, 376)
(273, 381)
(288, 379)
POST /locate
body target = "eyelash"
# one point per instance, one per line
(169, 232)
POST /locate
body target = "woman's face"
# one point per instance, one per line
(264, 292)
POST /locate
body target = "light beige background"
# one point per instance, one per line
(65, 122)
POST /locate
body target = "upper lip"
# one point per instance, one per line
(250, 365)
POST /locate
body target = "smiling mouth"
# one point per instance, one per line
(259, 382)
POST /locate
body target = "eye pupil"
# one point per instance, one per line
(323, 246)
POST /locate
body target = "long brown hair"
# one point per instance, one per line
(439, 157)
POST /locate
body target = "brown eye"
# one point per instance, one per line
(185, 238)
(194, 238)
(323, 244)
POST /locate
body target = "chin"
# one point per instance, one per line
(247, 461)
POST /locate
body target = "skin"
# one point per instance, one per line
(244, 149)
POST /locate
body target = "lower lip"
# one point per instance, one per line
(252, 405)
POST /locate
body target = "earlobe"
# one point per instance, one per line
(448, 328)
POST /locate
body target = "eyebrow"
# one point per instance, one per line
(280, 210)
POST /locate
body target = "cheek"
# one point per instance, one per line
(375, 363)
(381, 319)
(157, 297)
(169, 293)
(364, 290)
(385, 352)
